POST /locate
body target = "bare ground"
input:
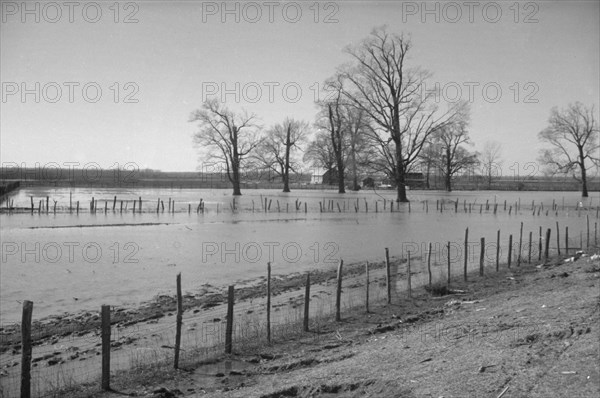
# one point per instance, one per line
(532, 331)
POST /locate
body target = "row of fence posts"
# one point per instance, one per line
(105, 309)
(323, 206)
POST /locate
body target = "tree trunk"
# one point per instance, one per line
(354, 172)
(427, 174)
(448, 171)
(286, 181)
(236, 179)
(584, 189)
(341, 183)
(286, 167)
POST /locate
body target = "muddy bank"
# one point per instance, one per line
(51, 329)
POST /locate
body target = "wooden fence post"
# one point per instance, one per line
(409, 276)
(26, 349)
(557, 238)
(540, 246)
(509, 250)
(429, 264)
(178, 322)
(367, 287)
(338, 293)
(482, 257)
(567, 240)
(388, 276)
(229, 326)
(466, 253)
(529, 255)
(587, 245)
(546, 252)
(520, 245)
(448, 275)
(105, 310)
(307, 302)
(269, 301)
(498, 251)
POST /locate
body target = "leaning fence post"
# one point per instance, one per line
(546, 252)
(178, 322)
(466, 253)
(306, 302)
(269, 302)
(105, 310)
(388, 276)
(338, 293)
(229, 326)
(26, 349)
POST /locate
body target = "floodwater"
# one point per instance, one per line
(67, 262)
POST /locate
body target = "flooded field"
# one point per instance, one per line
(68, 262)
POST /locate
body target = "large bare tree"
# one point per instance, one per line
(276, 151)
(403, 114)
(227, 137)
(491, 160)
(572, 134)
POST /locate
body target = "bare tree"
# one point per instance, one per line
(573, 137)
(491, 160)
(227, 137)
(454, 157)
(276, 150)
(390, 93)
(332, 118)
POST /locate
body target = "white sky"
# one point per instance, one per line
(176, 50)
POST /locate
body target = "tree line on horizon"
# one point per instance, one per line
(375, 118)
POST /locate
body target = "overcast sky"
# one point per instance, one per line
(154, 71)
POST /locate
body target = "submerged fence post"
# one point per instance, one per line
(105, 311)
(178, 322)
(269, 302)
(388, 276)
(229, 326)
(338, 293)
(26, 349)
